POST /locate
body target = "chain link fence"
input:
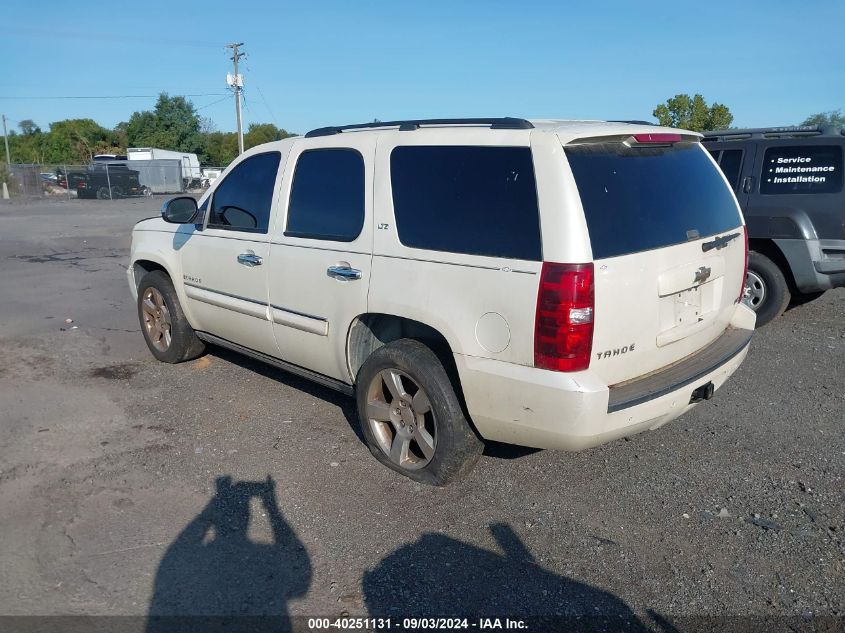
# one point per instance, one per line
(105, 180)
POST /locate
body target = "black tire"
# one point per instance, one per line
(456, 447)
(184, 344)
(103, 193)
(776, 293)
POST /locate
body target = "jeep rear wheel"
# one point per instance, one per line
(411, 416)
(766, 289)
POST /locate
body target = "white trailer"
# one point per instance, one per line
(191, 173)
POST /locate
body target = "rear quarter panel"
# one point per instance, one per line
(483, 306)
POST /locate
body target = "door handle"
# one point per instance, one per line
(250, 259)
(747, 184)
(343, 273)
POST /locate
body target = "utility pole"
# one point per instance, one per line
(237, 82)
(6, 141)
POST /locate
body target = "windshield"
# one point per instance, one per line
(640, 198)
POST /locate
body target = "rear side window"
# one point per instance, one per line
(327, 195)
(796, 169)
(242, 201)
(472, 200)
(640, 198)
(731, 164)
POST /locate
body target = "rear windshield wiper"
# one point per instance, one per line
(719, 242)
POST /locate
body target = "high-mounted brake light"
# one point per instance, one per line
(660, 137)
(563, 326)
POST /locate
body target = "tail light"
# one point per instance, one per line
(563, 328)
(745, 269)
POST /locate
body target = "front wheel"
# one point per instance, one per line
(766, 289)
(411, 417)
(166, 330)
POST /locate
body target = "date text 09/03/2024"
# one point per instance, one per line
(413, 624)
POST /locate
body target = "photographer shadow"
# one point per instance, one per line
(214, 578)
(438, 576)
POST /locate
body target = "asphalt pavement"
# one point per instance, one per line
(130, 487)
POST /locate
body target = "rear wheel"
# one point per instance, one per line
(168, 334)
(766, 289)
(411, 416)
(103, 193)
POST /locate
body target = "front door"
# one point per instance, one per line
(224, 266)
(321, 251)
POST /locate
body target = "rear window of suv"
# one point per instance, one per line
(641, 198)
(474, 200)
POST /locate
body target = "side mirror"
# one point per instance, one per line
(181, 210)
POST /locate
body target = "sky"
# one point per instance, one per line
(311, 64)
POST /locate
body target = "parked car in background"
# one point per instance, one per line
(104, 180)
(209, 176)
(63, 176)
(555, 284)
(789, 184)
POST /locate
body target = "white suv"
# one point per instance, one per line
(555, 284)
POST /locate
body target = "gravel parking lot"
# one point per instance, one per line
(130, 487)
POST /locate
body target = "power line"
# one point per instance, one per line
(261, 94)
(205, 94)
(208, 105)
(267, 105)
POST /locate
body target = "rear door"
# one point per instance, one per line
(321, 250)
(799, 195)
(668, 250)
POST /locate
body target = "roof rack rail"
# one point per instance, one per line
(773, 132)
(500, 123)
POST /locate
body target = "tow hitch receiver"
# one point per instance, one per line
(704, 392)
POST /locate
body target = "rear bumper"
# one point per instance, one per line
(544, 409)
(688, 371)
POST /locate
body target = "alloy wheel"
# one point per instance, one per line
(401, 419)
(156, 316)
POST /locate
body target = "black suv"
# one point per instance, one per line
(789, 184)
(106, 180)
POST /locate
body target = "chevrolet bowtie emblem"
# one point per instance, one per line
(702, 274)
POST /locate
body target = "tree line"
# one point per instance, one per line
(173, 124)
(694, 113)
